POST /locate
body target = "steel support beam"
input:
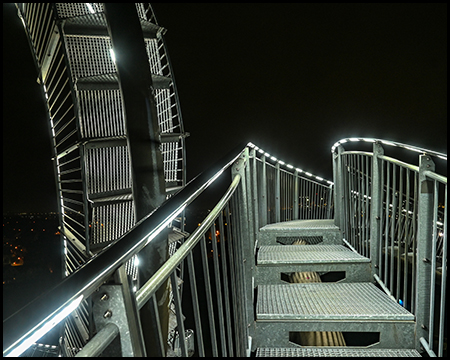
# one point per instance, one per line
(338, 189)
(424, 250)
(376, 209)
(143, 140)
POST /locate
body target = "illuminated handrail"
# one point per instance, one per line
(23, 328)
(30, 323)
(148, 289)
(389, 143)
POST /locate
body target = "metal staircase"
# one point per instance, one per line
(353, 304)
(382, 260)
(380, 226)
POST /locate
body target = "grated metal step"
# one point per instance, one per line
(327, 301)
(273, 260)
(307, 254)
(325, 229)
(335, 352)
(302, 224)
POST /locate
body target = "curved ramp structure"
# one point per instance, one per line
(75, 60)
(94, 172)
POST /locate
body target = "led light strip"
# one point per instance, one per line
(390, 143)
(41, 329)
(289, 166)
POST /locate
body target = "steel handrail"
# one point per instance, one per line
(35, 319)
(149, 288)
(391, 143)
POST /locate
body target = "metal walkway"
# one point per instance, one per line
(378, 230)
(348, 306)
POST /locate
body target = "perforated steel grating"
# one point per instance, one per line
(101, 114)
(334, 352)
(66, 10)
(109, 222)
(327, 301)
(307, 254)
(107, 169)
(89, 56)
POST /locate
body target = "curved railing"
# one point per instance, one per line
(233, 222)
(395, 212)
(32, 322)
(388, 209)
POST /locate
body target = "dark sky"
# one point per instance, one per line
(291, 78)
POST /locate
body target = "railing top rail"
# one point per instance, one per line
(390, 143)
(291, 168)
(149, 288)
(434, 176)
(29, 324)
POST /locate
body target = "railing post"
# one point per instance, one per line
(376, 208)
(329, 201)
(277, 194)
(116, 303)
(254, 192)
(263, 202)
(295, 213)
(245, 241)
(338, 189)
(424, 250)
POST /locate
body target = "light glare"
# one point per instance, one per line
(43, 328)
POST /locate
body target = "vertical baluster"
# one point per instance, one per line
(231, 232)
(443, 305)
(400, 232)
(223, 255)
(277, 193)
(209, 302)
(296, 195)
(386, 229)
(414, 243)
(237, 266)
(195, 306)
(179, 314)
(406, 301)
(358, 194)
(263, 193)
(218, 290)
(393, 222)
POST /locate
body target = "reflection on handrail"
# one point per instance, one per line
(23, 325)
(149, 288)
(391, 143)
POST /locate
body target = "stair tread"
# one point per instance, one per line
(334, 351)
(327, 301)
(301, 225)
(307, 254)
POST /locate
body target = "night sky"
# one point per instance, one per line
(291, 78)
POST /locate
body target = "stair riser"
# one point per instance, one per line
(330, 237)
(268, 275)
(393, 334)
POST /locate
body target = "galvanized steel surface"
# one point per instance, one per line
(301, 254)
(334, 352)
(327, 301)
